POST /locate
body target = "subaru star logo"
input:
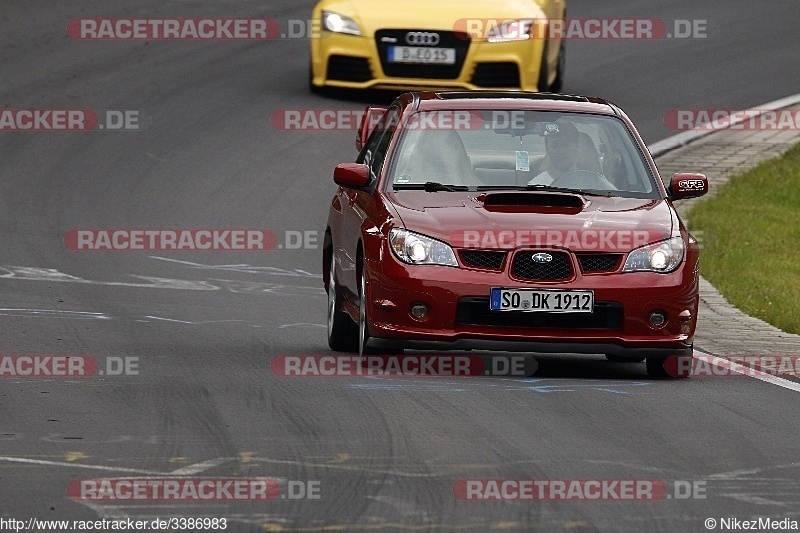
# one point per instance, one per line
(541, 257)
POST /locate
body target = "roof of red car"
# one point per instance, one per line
(515, 99)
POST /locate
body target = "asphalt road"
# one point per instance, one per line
(203, 327)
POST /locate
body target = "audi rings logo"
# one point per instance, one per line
(422, 38)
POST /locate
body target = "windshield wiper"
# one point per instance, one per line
(501, 187)
(429, 186)
(590, 192)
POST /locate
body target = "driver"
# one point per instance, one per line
(561, 149)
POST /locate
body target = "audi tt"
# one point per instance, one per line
(469, 44)
(473, 218)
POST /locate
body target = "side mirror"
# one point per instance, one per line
(686, 185)
(351, 175)
(368, 121)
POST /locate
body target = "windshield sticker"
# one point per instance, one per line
(522, 161)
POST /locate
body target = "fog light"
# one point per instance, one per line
(657, 319)
(685, 318)
(419, 311)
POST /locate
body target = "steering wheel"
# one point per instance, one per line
(583, 179)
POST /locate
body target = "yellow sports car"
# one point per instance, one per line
(423, 44)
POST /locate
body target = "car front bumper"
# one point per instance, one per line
(458, 309)
(348, 61)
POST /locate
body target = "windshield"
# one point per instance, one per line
(484, 150)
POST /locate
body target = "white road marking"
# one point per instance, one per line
(242, 267)
(245, 287)
(748, 371)
(50, 274)
(190, 322)
(755, 500)
(685, 137)
(233, 286)
(196, 468)
(41, 462)
(186, 471)
(53, 313)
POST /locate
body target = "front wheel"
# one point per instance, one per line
(674, 366)
(543, 84)
(341, 330)
(363, 319)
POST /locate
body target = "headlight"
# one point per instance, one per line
(339, 23)
(512, 30)
(416, 249)
(664, 256)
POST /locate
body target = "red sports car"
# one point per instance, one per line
(473, 218)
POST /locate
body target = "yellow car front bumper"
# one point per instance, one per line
(356, 62)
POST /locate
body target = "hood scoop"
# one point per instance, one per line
(532, 202)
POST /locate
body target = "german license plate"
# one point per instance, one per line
(420, 54)
(543, 301)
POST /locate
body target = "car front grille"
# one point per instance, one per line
(591, 263)
(524, 267)
(496, 75)
(483, 259)
(448, 39)
(475, 311)
(346, 68)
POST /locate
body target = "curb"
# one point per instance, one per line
(663, 146)
(721, 327)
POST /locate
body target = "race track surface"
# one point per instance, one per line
(202, 328)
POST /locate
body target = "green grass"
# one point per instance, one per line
(751, 240)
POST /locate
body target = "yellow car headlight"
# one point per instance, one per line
(511, 30)
(338, 23)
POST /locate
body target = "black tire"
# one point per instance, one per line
(669, 367)
(544, 71)
(544, 74)
(342, 331)
(363, 318)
